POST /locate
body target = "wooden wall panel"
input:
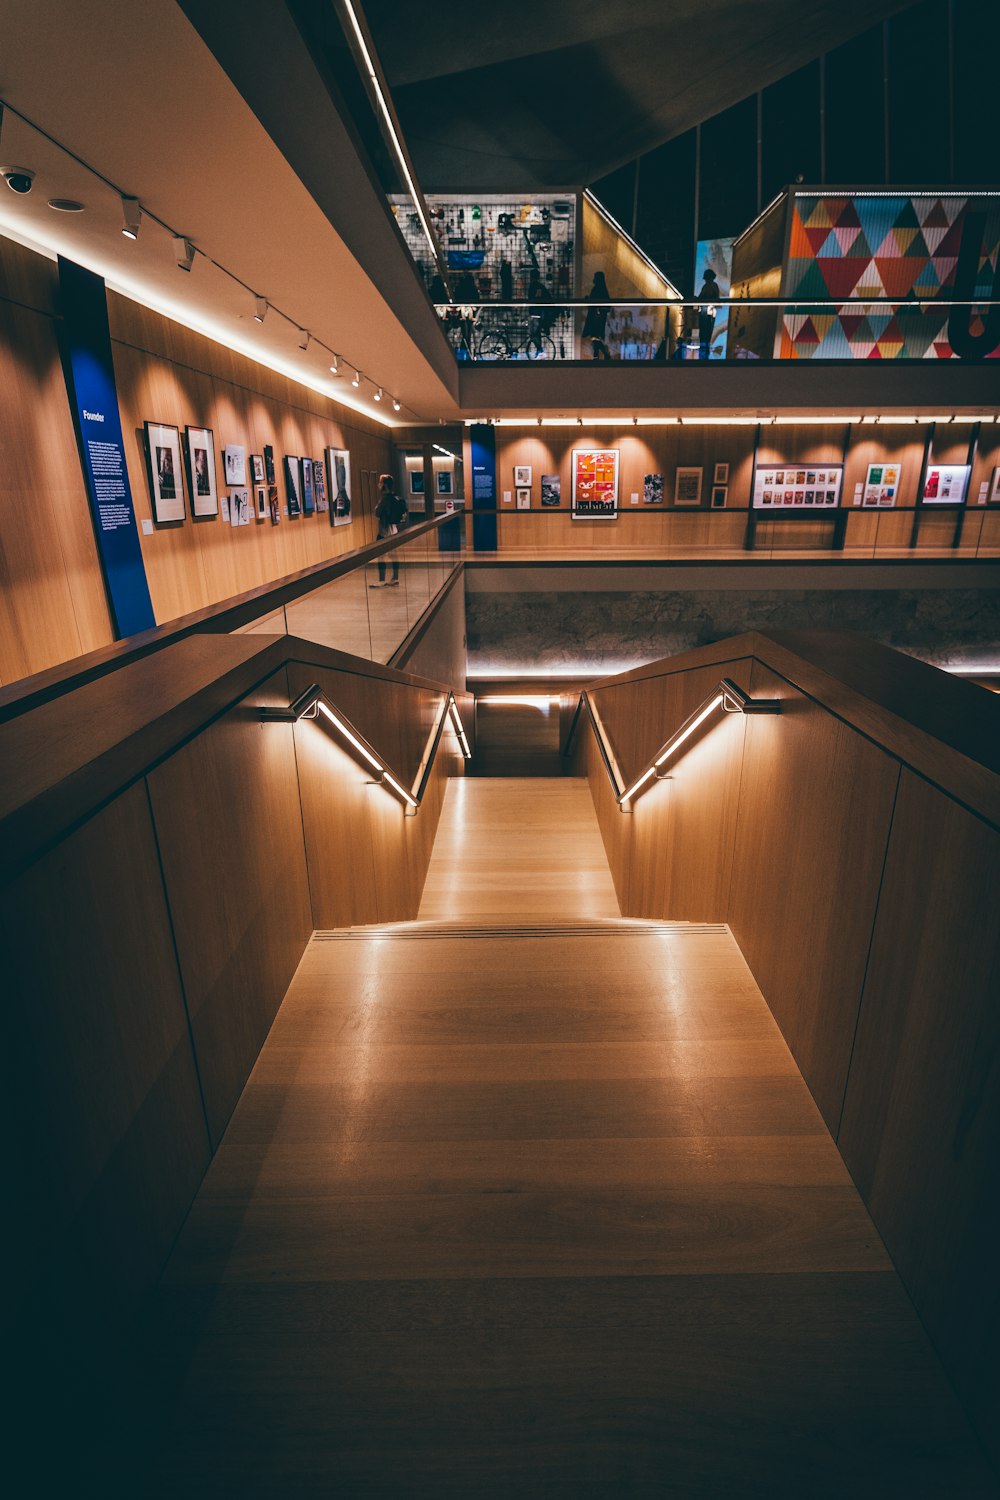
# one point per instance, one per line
(814, 816)
(226, 808)
(921, 1125)
(102, 1091)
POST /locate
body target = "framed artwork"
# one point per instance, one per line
(166, 482)
(720, 494)
(416, 477)
(881, 485)
(338, 463)
(269, 464)
(721, 474)
(260, 501)
(652, 489)
(445, 484)
(523, 499)
(522, 476)
(235, 460)
(946, 484)
(239, 507)
(319, 485)
(995, 487)
(308, 493)
(257, 468)
(203, 482)
(687, 486)
(595, 484)
(273, 504)
(796, 490)
(293, 485)
(551, 491)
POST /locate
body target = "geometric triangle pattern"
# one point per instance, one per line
(900, 246)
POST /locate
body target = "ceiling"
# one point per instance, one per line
(556, 94)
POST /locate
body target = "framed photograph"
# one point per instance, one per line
(260, 501)
(338, 465)
(273, 504)
(235, 460)
(595, 484)
(720, 493)
(721, 474)
(445, 482)
(308, 493)
(203, 484)
(257, 468)
(687, 486)
(293, 485)
(319, 485)
(239, 507)
(652, 489)
(523, 499)
(522, 476)
(799, 491)
(416, 477)
(881, 485)
(551, 491)
(166, 482)
(269, 477)
(946, 484)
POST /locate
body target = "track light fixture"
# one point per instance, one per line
(131, 217)
(395, 404)
(183, 253)
(335, 367)
(357, 379)
(260, 309)
(303, 340)
(378, 394)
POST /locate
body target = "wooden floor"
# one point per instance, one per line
(539, 1216)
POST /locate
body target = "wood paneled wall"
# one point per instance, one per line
(856, 885)
(54, 605)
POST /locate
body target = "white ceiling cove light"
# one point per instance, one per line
(131, 217)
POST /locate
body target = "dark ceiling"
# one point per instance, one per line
(556, 93)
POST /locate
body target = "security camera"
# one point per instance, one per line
(19, 179)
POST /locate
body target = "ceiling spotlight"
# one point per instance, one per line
(335, 367)
(395, 404)
(357, 379)
(131, 217)
(378, 394)
(260, 304)
(183, 253)
(304, 339)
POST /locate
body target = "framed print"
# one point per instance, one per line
(595, 484)
(523, 499)
(260, 501)
(257, 468)
(946, 484)
(239, 507)
(881, 485)
(687, 486)
(293, 485)
(444, 482)
(338, 464)
(235, 460)
(995, 487)
(308, 493)
(522, 476)
(319, 485)
(721, 474)
(720, 493)
(652, 489)
(796, 491)
(166, 482)
(269, 464)
(203, 483)
(273, 504)
(551, 491)
(416, 481)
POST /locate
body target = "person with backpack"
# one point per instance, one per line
(392, 516)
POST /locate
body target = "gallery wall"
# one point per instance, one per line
(55, 606)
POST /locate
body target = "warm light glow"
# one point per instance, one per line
(646, 776)
(796, 421)
(726, 421)
(522, 701)
(400, 790)
(352, 739)
(689, 731)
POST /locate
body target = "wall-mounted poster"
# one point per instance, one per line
(239, 507)
(551, 491)
(687, 486)
(308, 493)
(523, 499)
(319, 485)
(293, 485)
(881, 485)
(595, 484)
(522, 476)
(273, 504)
(202, 481)
(946, 484)
(338, 462)
(166, 483)
(416, 481)
(796, 488)
(260, 501)
(444, 482)
(652, 489)
(235, 459)
(995, 487)
(720, 494)
(269, 475)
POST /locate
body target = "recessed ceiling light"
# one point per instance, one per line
(66, 205)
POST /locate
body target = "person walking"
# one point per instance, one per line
(392, 516)
(597, 317)
(706, 313)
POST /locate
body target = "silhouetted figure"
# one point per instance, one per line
(392, 516)
(506, 281)
(597, 318)
(706, 315)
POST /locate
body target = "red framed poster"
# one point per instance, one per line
(595, 484)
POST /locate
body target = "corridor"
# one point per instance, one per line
(523, 1199)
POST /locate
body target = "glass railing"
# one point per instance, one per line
(733, 329)
(371, 610)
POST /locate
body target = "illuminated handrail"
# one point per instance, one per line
(313, 702)
(726, 696)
